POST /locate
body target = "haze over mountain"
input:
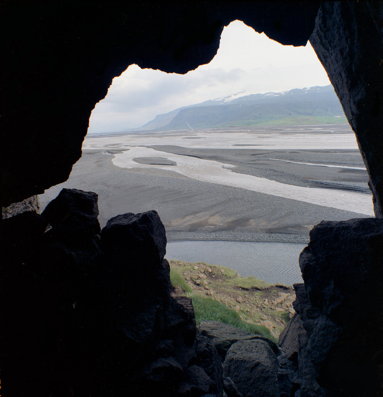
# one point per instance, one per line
(314, 105)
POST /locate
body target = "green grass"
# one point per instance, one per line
(178, 281)
(306, 120)
(286, 317)
(207, 309)
(247, 283)
(287, 121)
(227, 272)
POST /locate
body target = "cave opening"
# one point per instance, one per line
(78, 320)
(240, 158)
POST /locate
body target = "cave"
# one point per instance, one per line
(75, 321)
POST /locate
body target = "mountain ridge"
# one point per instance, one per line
(313, 105)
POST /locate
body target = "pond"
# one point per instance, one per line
(275, 263)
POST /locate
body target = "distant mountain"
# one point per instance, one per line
(314, 105)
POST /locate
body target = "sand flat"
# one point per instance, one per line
(299, 138)
(226, 199)
(220, 173)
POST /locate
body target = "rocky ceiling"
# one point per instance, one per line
(59, 58)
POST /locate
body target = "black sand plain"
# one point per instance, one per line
(195, 210)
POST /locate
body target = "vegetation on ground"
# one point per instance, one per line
(208, 309)
(286, 121)
(308, 106)
(179, 282)
(218, 293)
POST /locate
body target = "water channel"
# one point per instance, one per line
(275, 263)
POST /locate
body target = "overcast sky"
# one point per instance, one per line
(246, 63)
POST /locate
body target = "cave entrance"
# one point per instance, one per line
(240, 158)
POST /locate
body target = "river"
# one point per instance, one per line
(275, 263)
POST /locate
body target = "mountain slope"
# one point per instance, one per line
(315, 105)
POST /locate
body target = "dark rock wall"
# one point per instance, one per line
(339, 350)
(59, 58)
(86, 313)
(348, 38)
(90, 312)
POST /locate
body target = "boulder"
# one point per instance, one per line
(73, 214)
(142, 235)
(207, 357)
(230, 388)
(135, 245)
(291, 340)
(165, 348)
(198, 382)
(292, 337)
(287, 374)
(253, 367)
(164, 370)
(179, 320)
(224, 335)
(343, 272)
(71, 240)
(48, 285)
(99, 309)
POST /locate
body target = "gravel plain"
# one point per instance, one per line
(194, 209)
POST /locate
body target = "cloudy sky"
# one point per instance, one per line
(246, 63)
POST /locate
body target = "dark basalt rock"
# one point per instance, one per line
(95, 315)
(20, 236)
(73, 214)
(343, 272)
(253, 367)
(165, 370)
(230, 388)
(46, 290)
(180, 321)
(224, 335)
(140, 234)
(292, 337)
(80, 320)
(135, 245)
(198, 382)
(348, 40)
(207, 357)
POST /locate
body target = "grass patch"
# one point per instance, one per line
(226, 271)
(248, 283)
(286, 121)
(286, 317)
(179, 282)
(221, 294)
(208, 309)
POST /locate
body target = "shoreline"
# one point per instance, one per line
(272, 262)
(243, 237)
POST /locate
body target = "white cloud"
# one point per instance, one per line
(246, 62)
